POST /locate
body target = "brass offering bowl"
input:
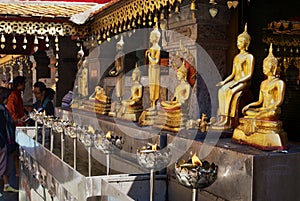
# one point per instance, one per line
(153, 158)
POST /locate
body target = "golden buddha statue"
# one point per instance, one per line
(98, 102)
(153, 54)
(132, 108)
(261, 126)
(235, 83)
(172, 114)
(82, 80)
(118, 72)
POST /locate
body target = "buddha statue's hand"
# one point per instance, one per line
(220, 83)
(233, 85)
(245, 109)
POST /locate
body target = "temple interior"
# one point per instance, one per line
(162, 100)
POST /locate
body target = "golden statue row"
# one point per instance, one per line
(260, 125)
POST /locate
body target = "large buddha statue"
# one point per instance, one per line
(172, 114)
(261, 126)
(235, 83)
(118, 72)
(132, 108)
(153, 55)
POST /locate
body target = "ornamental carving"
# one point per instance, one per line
(42, 28)
(131, 10)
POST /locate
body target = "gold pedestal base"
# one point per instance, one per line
(268, 136)
(148, 117)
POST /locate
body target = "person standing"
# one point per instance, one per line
(15, 101)
(7, 140)
(43, 101)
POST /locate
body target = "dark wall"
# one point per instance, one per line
(67, 67)
(258, 14)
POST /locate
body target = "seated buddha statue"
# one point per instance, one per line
(132, 108)
(261, 126)
(98, 101)
(172, 114)
(232, 87)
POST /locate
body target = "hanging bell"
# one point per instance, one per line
(25, 40)
(56, 39)
(14, 40)
(193, 6)
(177, 9)
(212, 2)
(35, 41)
(2, 38)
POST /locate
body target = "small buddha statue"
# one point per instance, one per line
(98, 101)
(172, 114)
(261, 126)
(82, 79)
(118, 70)
(235, 83)
(133, 107)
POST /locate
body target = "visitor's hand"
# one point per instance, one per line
(220, 83)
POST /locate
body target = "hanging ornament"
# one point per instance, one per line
(2, 38)
(213, 2)
(297, 50)
(56, 39)
(2, 46)
(213, 12)
(35, 48)
(25, 39)
(35, 41)
(193, 6)
(24, 47)
(47, 41)
(14, 47)
(14, 40)
(56, 47)
(56, 56)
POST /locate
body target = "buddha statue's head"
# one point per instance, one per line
(244, 39)
(182, 72)
(136, 74)
(270, 63)
(120, 44)
(155, 35)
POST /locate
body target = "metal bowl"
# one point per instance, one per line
(196, 176)
(155, 160)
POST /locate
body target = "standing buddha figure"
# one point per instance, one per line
(153, 54)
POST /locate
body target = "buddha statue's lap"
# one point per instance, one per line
(261, 126)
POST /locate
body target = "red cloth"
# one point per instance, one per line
(15, 106)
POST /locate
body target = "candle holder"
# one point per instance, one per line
(153, 158)
(196, 174)
(108, 144)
